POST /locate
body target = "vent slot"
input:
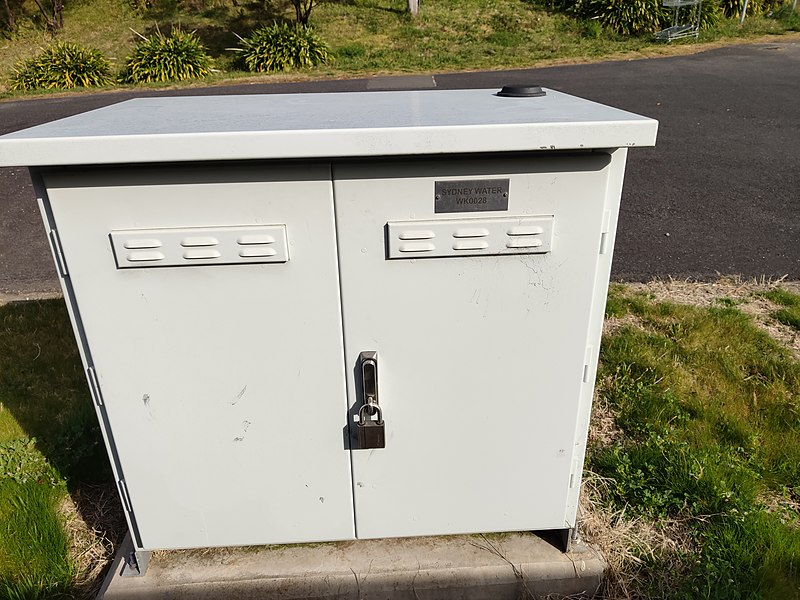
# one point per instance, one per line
(193, 246)
(470, 237)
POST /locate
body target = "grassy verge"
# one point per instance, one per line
(370, 36)
(50, 448)
(697, 436)
(693, 481)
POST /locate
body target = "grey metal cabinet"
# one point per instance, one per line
(228, 261)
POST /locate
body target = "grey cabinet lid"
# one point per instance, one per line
(278, 126)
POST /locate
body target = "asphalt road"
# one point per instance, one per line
(719, 194)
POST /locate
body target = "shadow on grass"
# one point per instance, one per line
(218, 24)
(43, 385)
(44, 396)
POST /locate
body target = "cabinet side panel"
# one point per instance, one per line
(80, 337)
(613, 193)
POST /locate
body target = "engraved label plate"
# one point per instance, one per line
(471, 195)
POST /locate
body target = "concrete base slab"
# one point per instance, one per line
(468, 567)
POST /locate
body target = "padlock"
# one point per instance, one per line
(371, 434)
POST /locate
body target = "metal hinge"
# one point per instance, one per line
(94, 386)
(58, 253)
(605, 231)
(587, 363)
(123, 493)
(573, 475)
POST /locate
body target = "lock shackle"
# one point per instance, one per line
(365, 408)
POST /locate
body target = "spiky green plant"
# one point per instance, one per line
(174, 57)
(282, 47)
(62, 65)
(628, 17)
(733, 8)
(710, 14)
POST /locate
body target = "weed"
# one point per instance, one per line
(22, 463)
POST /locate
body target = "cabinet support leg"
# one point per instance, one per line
(134, 562)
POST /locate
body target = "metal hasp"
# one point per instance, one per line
(371, 432)
(688, 26)
(369, 380)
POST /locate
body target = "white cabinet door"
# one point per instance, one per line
(209, 299)
(482, 349)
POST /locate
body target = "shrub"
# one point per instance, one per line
(628, 17)
(62, 65)
(791, 20)
(733, 8)
(710, 14)
(175, 57)
(282, 47)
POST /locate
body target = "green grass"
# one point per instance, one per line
(710, 409)
(789, 314)
(368, 36)
(49, 443)
(34, 548)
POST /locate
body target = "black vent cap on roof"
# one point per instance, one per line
(521, 91)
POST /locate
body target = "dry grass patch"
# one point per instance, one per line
(603, 429)
(612, 324)
(96, 526)
(632, 544)
(786, 505)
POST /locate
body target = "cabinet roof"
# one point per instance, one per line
(332, 125)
